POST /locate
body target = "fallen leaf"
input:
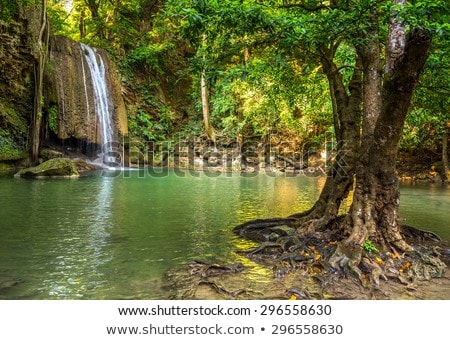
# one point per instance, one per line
(379, 261)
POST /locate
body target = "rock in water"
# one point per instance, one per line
(8, 282)
(57, 167)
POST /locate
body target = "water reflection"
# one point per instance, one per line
(80, 250)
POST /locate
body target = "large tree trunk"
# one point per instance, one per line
(376, 200)
(372, 102)
(347, 116)
(445, 176)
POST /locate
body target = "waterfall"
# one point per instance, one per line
(102, 108)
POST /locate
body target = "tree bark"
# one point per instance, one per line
(39, 84)
(376, 203)
(210, 133)
(369, 116)
(82, 25)
(445, 154)
(363, 197)
(94, 7)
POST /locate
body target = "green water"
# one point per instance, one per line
(114, 237)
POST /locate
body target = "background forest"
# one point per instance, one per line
(233, 70)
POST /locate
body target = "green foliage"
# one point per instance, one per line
(13, 133)
(144, 127)
(150, 55)
(53, 118)
(261, 60)
(58, 17)
(432, 15)
(429, 114)
(9, 9)
(266, 91)
(370, 247)
(10, 148)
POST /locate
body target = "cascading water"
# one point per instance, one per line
(102, 104)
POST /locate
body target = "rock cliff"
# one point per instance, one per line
(17, 61)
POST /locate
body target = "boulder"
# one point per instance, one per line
(56, 167)
(47, 154)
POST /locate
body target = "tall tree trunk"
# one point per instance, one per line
(94, 7)
(445, 176)
(377, 204)
(369, 52)
(347, 113)
(39, 83)
(210, 133)
(82, 25)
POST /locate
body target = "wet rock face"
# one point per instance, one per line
(17, 60)
(16, 65)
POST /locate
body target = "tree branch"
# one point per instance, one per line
(435, 89)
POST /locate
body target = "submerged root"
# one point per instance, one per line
(205, 270)
(223, 291)
(259, 230)
(266, 247)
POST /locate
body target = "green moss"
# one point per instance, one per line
(12, 120)
(10, 149)
(56, 167)
(13, 131)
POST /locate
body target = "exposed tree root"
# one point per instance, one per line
(414, 233)
(318, 264)
(256, 230)
(223, 291)
(203, 269)
(320, 250)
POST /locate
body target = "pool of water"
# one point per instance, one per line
(114, 237)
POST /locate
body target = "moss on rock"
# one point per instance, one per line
(57, 167)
